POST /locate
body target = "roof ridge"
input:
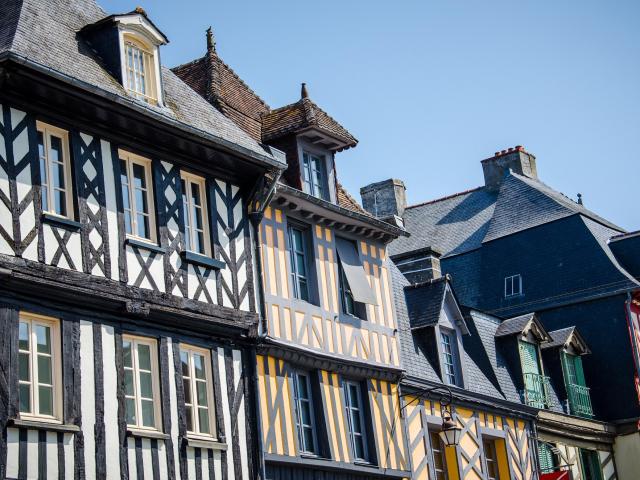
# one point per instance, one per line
(447, 197)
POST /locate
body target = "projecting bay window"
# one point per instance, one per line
(356, 420)
(300, 262)
(198, 385)
(196, 225)
(142, 397)
(39, 368)
(140, 70)
(439, 457)
(354, 289)
(314, 175)
(305, 419)
(55, 170)
(137, 196)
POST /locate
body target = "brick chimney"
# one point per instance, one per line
(516, 159)
(385, 199)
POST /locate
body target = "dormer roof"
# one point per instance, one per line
(567, 337)
(522, 325)
(137, 20)
(308, 119)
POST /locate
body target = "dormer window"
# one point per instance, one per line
(513, 286)
(140, 71)
(450, 360)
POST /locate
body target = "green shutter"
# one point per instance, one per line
(529, 357)
(579, 371)
(546, 457)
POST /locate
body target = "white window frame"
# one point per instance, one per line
(307, 175)
(509, 286)
(362, 415)
(56, 368)
(452, 336)
(47, 131)
(130, 159)
(189, 179)
(298, 400)
(190, 350)
(149, 73)
(155, 382)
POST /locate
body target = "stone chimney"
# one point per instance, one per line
(385, 199)
(516, 159)
(419, 265)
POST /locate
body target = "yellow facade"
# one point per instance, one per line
(317, 327)
(278, 423)
(466, 462)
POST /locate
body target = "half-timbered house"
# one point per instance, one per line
(127, 307)
(329, 358)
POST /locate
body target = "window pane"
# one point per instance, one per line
(44, 370)
(25, 398)
(146, 389)
(359, 446)
(60, 199)
(45, 400)
(144, 356)
(198, 365)
(201, 390)
(131, 411)
(23, 367)
(143, 225)
(305, 413)
(55, 151)
(300, 264)
(43, 338)
(303, 391)
(139, 177)
(189, 415)
(147, 413)
(304, 290)
(23, 336)
(187, 390)
(203, 418)
(128, 383)
(353, 395)
(126, 353)
(195, 194)
(184, 360)
(308, 439)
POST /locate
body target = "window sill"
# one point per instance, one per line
(62, 222)
(202, 260)
(146, 244)
(202, 443)
(50, 426)
(154, 434)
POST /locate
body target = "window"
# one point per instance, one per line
(346, 296)
(142, 397)
(591, 469)
(577, 390)
(137, 196)
(354, 288)
(196, 225)
(140, 70)
(535, 384)
(439, 457)
(298, 241)
(491, 459)
(513, 286)
(355, 420)
(304, 413)
(314, 175)
(197, 382)
(547, 457)
(39, 368)
(55, 170)
(449, 357)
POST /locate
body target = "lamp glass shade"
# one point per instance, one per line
(451, 436)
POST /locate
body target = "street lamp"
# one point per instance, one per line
(450, 432)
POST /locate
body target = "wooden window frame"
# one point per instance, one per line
(363, 419)
(511, 292)
(315, 451)
(308, 179)
(155, 382)
(130, 159)
(189, 179)
(441, 451)
(191, 350)
(306, 251)
(493, 459)
(452, 337)
(47, 131)
(149, 74)
(56, 368)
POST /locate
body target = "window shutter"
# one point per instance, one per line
(529, 356)
(546, 458)
(579, 371)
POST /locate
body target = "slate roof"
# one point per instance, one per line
(461, 222)
(558, 337)
(424, 302)
(514, 325)
(45, 34)
(302, 115)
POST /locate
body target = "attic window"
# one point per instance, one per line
(513, 286)
(140, 70)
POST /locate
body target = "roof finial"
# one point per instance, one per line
(303, 91)
(579, 199)
(140, 11)
(211, 41)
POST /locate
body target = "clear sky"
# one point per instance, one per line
(430, 87)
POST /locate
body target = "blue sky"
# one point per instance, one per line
(430, 88)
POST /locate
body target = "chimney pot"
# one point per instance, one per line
(515, 159)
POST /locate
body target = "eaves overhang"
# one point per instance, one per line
(575, 428)
(12, 64)
(335, 216)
